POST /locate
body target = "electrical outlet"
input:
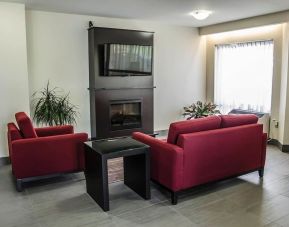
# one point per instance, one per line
(275, 123)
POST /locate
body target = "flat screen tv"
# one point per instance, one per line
(127, 60)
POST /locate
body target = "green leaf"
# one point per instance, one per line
(200, 109)
(52, 107)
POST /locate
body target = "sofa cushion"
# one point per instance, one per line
(233, 120)
(194, 125)
(25, 125)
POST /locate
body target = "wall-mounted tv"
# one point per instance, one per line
(127, 60)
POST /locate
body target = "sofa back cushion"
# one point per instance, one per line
(233, 120)
(25, 125)
(190, 126)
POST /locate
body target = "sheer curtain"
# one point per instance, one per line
(243, 76)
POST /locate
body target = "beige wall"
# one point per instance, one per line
(58, 51)
(14, 94)
(257, 21)
(284, 90)
(274, 32)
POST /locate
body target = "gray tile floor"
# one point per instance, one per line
(244, 201)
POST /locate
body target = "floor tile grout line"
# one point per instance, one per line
(131, 211)
(279, 218)
(179, 213)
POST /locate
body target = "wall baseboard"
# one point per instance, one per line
(4, 161)
(282, 147)
(273, 142)
(162, 133)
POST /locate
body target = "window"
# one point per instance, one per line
(243, 76)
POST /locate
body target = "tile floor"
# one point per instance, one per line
(244, 201)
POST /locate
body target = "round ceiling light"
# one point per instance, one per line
(201, 14)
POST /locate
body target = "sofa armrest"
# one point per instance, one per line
(54, 130)
(166, 161)
(48, 155)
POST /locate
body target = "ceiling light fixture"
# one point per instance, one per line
(201, 14)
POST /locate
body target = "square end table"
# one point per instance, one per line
(136, 165)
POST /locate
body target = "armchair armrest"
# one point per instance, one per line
(54, 130)
(48, 155)
(12, 134)
(166, 161)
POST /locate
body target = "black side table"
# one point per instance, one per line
(136, 163)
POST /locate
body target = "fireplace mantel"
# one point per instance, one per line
(119, 88)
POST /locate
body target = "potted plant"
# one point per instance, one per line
(53, 107)
(199, 110)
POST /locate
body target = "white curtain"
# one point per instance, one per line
(243, 76)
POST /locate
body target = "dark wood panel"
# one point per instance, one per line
(97, 38)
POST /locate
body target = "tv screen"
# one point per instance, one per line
(127, 60)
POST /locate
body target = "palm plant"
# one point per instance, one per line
(51, 107)
(199, 110)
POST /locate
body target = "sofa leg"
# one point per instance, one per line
(19, 185)
(174, 198)
(261, 172)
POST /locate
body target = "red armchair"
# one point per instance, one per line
(43, 152)
(206, 150)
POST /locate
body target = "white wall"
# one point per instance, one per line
(14, 95)
(58, 51)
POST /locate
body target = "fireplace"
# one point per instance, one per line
(119, 112)
(125, 114)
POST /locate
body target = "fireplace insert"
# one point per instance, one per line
(125, 114)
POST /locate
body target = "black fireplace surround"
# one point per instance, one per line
(118, 105)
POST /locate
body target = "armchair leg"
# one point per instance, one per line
(261, 172)
(19, 185)
(174, 198)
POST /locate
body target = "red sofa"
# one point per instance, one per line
(205, 150)
(43, 152)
